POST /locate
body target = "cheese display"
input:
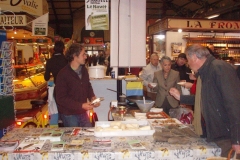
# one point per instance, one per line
(122, 128)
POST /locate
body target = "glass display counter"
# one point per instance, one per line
(29, 83)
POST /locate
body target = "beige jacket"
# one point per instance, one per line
(163, 87)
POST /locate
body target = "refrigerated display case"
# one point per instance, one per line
(29, 84)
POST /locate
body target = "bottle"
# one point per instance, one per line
(113, 74)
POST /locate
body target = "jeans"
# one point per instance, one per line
(79, 120)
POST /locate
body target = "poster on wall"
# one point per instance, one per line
(96, 15)
(40, 26)
(159, 45)
(176, 48)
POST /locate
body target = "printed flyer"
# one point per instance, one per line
(96, 15)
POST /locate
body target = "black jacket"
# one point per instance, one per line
(220, 97)
(54, 65)
(183, 70)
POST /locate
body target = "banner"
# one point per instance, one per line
(96, 15)
(34, 7)
(40, 26)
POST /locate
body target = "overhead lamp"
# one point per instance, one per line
(179, 30)
(15, 31)
(213, 16)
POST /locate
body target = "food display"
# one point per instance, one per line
(175, 134)
(163, 122)
(122, 128)
(29, 82)
(157, 115)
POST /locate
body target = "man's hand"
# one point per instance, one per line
(175, 93)
(96, 104)
(188, 85)
(87, 106)
(150, 86)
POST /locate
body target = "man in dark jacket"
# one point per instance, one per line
(73, 89)
(220, 98)
(54, 65)
(180, 66)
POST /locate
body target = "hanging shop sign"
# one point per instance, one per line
(13, 20)
(33, 7)
(96, 15)
(194, 24)
(40, 26)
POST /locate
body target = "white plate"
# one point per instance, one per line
(181, 83)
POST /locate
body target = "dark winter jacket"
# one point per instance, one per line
(71, 91)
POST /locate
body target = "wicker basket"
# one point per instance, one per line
(224, 158)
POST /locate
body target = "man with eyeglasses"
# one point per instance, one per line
(74, 90)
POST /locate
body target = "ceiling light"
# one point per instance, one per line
(213, 16)
(179, 30)
(160, 36)
(15, 31)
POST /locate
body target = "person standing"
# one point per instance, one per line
(74, 90)
(219, 96)
(147, 72)
(180, 66)
(53, 66)
(166, 79)
(56, 62)
(107, 63)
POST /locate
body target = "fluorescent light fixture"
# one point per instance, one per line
(160, 36)
(213, 16)
(179, 30)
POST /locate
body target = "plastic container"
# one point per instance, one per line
(96, 72)
(145, 107)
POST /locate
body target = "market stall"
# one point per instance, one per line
(172, 35)
(91, 147)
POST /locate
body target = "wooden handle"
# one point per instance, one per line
(230, 154)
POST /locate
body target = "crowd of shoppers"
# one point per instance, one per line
(220, 98)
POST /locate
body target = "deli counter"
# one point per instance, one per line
(29, 84)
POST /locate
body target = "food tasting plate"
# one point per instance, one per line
(123, 128)
(163, 122)
(157, 115)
